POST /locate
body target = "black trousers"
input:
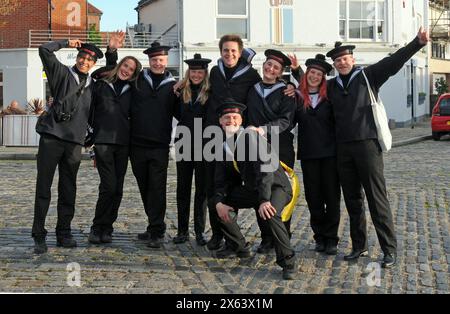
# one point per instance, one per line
(287, 155)
(214, 219)
(185, 172)
(266, 233)
(361, 164)
(323, 196)
(67, 156)
(240, 197)
(112, 163)
(149, 166)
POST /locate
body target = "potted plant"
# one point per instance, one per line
(35, 106)
(441, 86)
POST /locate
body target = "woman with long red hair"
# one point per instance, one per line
(316, 149)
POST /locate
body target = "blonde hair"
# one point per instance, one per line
(112, 76)
(186, 93)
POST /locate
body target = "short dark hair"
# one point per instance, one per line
(231, 37)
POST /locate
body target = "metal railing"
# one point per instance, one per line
(101, 39)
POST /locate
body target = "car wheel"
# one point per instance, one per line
(436, 136)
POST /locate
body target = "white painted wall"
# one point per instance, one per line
(21, 82)
(161, 14)
(199, 21)
(314, 24)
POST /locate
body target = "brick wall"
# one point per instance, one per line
(94, 20)
(19, 16)
(69, 15)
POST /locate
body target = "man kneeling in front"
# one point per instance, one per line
(242, 183)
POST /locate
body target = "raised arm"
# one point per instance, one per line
(52, 66)
(380, 72)
(116, 41)
(296, 69)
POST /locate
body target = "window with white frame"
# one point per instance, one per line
(232, 18)
(438, 50)
(282, 25)
(362, 19)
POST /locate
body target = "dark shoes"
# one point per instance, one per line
(265, 247)
(288, 273)
(214, 243)
(155, 242)
(40, 246)
(106, 237)
(66, 241)
(355, 254)
(181, 238)
(98, 238)
(331, 247)
(227, 252)
(289, 269)
(144, 236)
(327, 245)
(200, 239)
(94, 237)
(389, 260)
(320, 246)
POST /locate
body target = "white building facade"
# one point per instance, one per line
(305, 27)
(23, 76)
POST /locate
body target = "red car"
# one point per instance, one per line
(440, 120)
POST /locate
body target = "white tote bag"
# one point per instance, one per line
(381, 120)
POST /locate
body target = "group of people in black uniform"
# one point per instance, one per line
(129, 112)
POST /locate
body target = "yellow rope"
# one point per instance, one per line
(287, 211)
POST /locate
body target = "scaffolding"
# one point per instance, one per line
(440, 20)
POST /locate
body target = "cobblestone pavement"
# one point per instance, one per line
(418, 179)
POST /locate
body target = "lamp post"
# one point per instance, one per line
(50, 8)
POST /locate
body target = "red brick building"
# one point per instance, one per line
(94, 17)
(18, 17)
(69, 14)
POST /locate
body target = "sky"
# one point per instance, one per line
(116, 13)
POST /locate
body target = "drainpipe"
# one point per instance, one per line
(180, 27)
(49, 16)
(392, 22)
(426, 21)
(87, 17)
(412, 94)
(49, 19)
